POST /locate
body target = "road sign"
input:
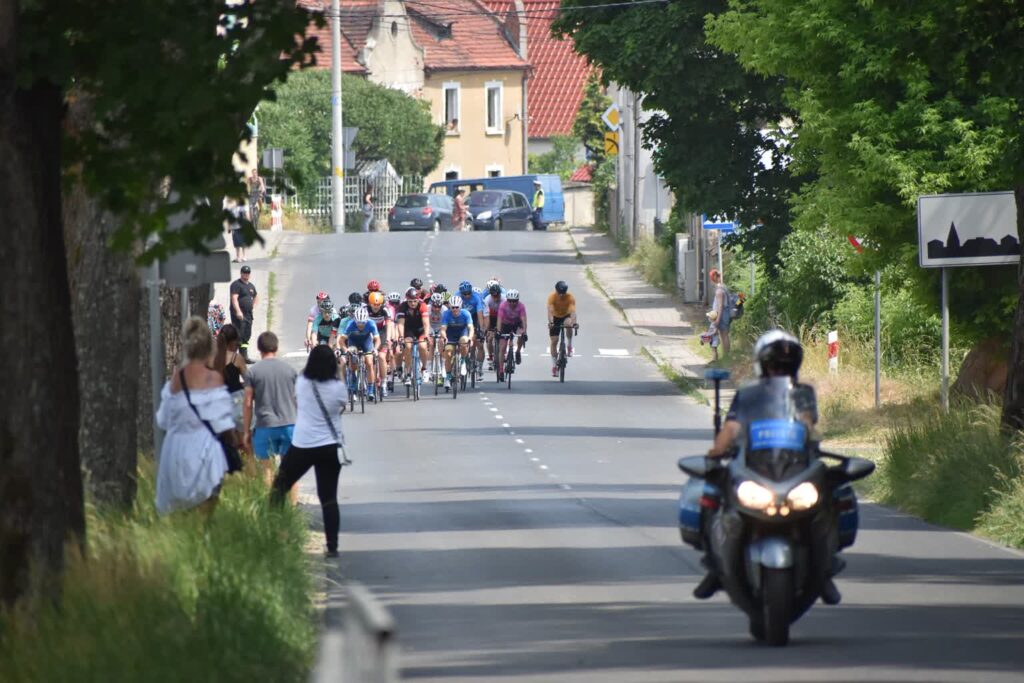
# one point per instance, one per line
(611, 142)
(348, 135)
(189, 269)
(724, 227)
(612, 117)
(977, 229)
(273, 158)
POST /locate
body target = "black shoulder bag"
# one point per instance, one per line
(231, 454)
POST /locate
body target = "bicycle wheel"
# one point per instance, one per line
(456, 374)
(474, 367)
(436, 368)
(362, 386)
(415, 372)
(351, 392)
(563, 359)
(510, 362)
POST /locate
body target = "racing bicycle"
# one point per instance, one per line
(562, 359)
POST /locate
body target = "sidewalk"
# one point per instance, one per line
(667, 325)
(258, 259)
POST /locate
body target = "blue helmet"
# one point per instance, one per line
(466, 287)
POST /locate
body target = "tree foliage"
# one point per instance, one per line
(714, 128)
(561, 159)
(392, 126)
(588, 127)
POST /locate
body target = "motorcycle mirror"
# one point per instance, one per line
(858, 468)
(694, 465)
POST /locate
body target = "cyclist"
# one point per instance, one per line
(381, 316)
(512, 320)
(313, 313)
(495, 295)
(457, 328)
(323, 329)
(473, 304)
(362, 334)
(394, 300)
(356, 299)
(435, 314)
(423, 292)
(371, 287)
(561, 308)
(413, 323)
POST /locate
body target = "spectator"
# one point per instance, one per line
(215, 318)
(270, 397)
(239, 212)
(711, 337)
(243, 301)
(720, 305)
(321, 399)
(459, 211)
(194, 409)
(232, 366)
(367, 211)
(538, 206)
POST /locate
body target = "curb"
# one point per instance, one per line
(582, 258)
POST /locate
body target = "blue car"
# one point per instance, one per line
(421, 212)
(499, 210)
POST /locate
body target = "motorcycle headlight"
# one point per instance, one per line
(754, 496)
(803, 497)
(483, 215)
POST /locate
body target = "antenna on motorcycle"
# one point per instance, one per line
(717, 375)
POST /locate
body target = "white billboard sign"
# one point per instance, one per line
(978, 229)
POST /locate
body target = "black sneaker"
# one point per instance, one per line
(331, 553)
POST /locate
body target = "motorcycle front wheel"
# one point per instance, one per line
(777, 592)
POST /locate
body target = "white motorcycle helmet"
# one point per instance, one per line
(777, 353)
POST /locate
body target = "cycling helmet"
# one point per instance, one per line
(439, 288)
(436, 300)
(512, 295)
(455, 302)
(373, 286)
(412, 293)
(321, 295)
(346, 311)
(561, 287)
(777, 353)
(477, 290)
(325, 304)
(394, 298)
(361, 315)
(416, 282)
(466, 287)
(494, 289)
(376, 299)
(492, 282)
(355, 298)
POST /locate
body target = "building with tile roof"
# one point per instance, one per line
(459, 56)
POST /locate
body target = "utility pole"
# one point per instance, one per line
(636, 168)
(337, 132)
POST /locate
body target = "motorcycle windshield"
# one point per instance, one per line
(776, 415)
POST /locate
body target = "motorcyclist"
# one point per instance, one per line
(776, 354)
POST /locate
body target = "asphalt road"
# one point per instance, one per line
(531, 534)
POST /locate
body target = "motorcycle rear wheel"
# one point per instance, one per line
(777, 593)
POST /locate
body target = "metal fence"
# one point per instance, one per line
(386, 188)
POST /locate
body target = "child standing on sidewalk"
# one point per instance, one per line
(711, 336)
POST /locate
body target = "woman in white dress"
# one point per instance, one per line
(320, 398)
(192, 463)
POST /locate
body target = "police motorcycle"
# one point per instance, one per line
(772, 514)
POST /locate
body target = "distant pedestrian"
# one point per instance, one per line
(712, 338)
(538, 206)
(238, 212)
(195, 409)
(367, 211)
(243, 302)
(721, 306)
(257, 196)
(459, 211)
(269, 406)
(229, 362)
(215, 318)
(321, 397)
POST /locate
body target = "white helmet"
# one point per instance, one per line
(436, 299)
(512, 295)
(394, 298)
(492, 282)
(455, 302)
(777, 353)
(361, 315)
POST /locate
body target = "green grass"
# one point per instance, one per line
(178, 598)
(655, 263)
(688, 385)
(271, 293)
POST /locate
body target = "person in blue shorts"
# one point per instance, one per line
(269, 406)
(361, 334)
(457, 328)
(473, 304)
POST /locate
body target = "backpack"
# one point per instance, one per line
(734, 307)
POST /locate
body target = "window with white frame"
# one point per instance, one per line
(495, 123)
(451, 107)
(493, 170)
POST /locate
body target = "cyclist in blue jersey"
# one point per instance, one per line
(361, 334)
(324, 326)
(473, 304)
(456, 328)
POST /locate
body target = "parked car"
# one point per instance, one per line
(554, 200)
(421, 212)
(499, 210)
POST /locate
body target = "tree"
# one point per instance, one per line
(392, 126)
(588, 127)
(713, 123)
(561, 159)
(177, 124)
(896, 100)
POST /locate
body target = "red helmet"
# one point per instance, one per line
(373, 286)
(321, 295)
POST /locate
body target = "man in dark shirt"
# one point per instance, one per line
(243, 301)
(413, 322)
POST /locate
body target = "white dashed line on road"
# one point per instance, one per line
(527, 450)
(612, 353)
(520, 441)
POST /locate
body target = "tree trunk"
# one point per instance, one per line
(1013, 396)
(105, 296)
(40, 481)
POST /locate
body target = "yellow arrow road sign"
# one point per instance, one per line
(611, 142)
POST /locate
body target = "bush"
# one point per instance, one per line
(911, 331)
(175, 599)
(655, 262)
(947, 468)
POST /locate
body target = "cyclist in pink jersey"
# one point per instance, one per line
(512, 320)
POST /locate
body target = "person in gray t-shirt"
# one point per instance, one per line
(270, 395)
